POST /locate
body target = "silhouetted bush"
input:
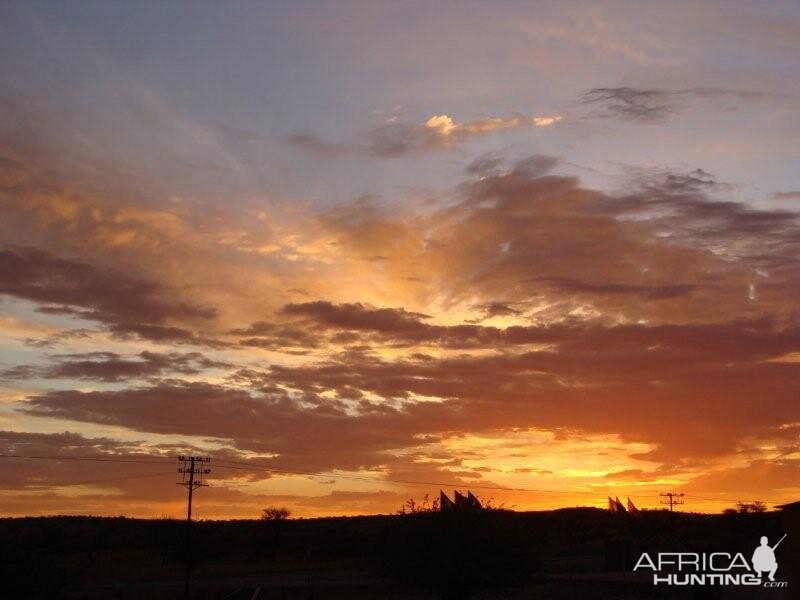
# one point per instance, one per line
(275, 513)
(411, 506)
(750, 507)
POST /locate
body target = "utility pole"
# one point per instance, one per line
(192, 471)
(671, 498)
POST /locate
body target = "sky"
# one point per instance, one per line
(358, 252)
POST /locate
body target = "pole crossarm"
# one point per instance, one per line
(672, 499)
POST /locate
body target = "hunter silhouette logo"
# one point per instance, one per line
(764, 557)
(713, 568)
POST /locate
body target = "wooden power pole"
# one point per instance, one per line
(671, 498)
(192, 470)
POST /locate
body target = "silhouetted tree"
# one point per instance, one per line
(749, 507)
(275, 513)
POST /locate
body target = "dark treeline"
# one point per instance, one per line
(444, 555)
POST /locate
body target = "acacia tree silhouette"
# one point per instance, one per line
(275, 513)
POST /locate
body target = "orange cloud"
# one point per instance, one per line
(395, 343)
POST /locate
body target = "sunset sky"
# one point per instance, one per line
(361, 251)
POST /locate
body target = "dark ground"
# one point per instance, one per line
(563, 554)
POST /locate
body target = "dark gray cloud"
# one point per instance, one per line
(654, 104)
(39, 276)
(306, 433)
(164, 334)
(633, 310)
(126, 304)
(671, 241)
(486, 164)
(112, 367)
(632, 103)
(35, 474)
(356, 316)
(793, 195)
(309, 142)
(495, 309)
(73, 460)
(609, 288)
(343, 412)
(668, 250)
(395, 138)
(277, 336)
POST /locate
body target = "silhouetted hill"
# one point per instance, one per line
(425, 555)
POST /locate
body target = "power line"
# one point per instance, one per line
(709, 498)
(244, 466)
(124, 477)
(249, 466)
(89, 458)
(732, 499)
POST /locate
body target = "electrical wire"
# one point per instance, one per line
(244, 466)
(693, 497)
(250, 466)
(253, 467)
(247, 466)
(89, 458)
(126, 477)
